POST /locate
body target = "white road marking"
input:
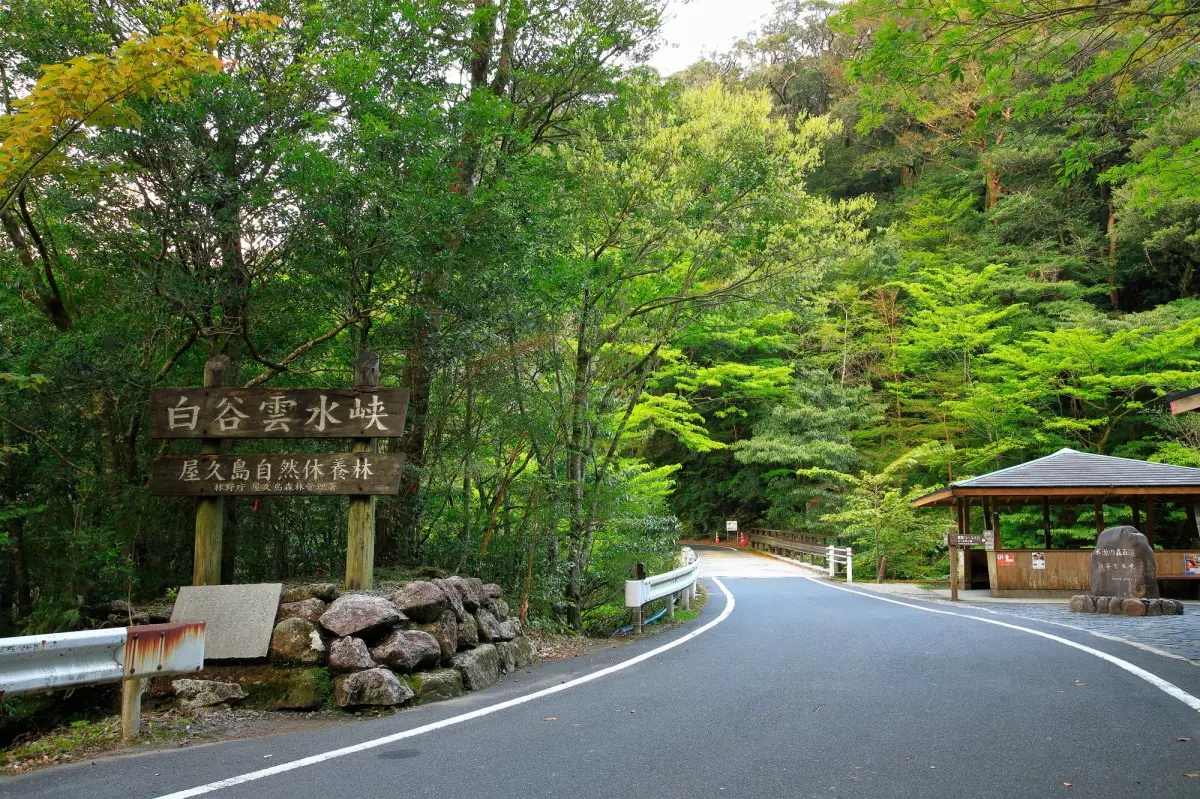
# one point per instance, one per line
(312, 760)
(1166, 687)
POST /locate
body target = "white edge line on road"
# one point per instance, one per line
(1128, 642)
(1158, 682)
(312, 760)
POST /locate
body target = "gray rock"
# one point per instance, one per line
(468, 633)
(326, 592)
(298, 642)
(500, 609)
(507, 652)
(308, 609)
(492, 591)
(1115, 603)
(196, 694)
(527, 653)
(489, 628)
(470, 589)
(1102, 604)
(1123, 565)
(1153, 607)
(509, 629)
(408, 650)
(454, 598)
(421, 601)
(436, 685)
(360, 614)
(1172, 607)
(480, 667)
(445, 630)
(238, 619)
(350, 654)
(370, 687)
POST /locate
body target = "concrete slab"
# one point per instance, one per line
(239, 618)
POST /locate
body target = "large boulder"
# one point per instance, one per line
(507, 652)
(1123, 565)
(454, 598)
(527, 653)
(408, 650)
(326, 592)
(500, 609)
(361, 615)
(509, 629)
(468, 632)
(492, 591)
(370, 687)
(421, 601)
(470, 589)
(445, 630)
(489, 628)
(286, 689)
(308, 609)
(197, 694)
(350, 654)
(436, 685)
(480, 667)
(297, 641)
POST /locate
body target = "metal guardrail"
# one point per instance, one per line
(833, 556)
(680, 581)
(33, 663)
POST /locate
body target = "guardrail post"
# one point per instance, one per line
(829, 557)
(670, 607)
(849, 564)
(687, 598)
(131, 709)
(637, 620)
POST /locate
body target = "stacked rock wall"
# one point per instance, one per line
(422, 641)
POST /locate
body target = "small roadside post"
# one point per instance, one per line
(952, 540)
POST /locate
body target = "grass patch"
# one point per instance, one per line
(75, 741)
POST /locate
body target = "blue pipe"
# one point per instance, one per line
(651, 620)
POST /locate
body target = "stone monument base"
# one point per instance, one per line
(1125, 606)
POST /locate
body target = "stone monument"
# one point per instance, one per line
(1124, 578)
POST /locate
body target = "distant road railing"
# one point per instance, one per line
(681, 581)
(804, 548)
(33, 663)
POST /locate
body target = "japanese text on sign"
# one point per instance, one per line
(278, 413)
(259, 475)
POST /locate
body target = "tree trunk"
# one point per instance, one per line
(576, 467)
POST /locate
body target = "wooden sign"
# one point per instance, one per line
(278, 413)
(361, 473)
(958, 540)
(1189, 402)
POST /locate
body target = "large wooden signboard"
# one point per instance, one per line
(278, 413)
(276, 475)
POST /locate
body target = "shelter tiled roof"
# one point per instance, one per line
(1069, 468)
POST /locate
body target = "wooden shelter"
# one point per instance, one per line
(1067, 477)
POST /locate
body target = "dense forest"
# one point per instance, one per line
(872, 248)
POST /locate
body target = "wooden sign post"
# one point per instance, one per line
(215, 414)
(210, 511)
(360, 535)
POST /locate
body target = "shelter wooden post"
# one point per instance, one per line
(997, 544)
(1150, 503)
(1046, 522)
(1137, 516)
(1192, 531)
(210, 511)
(958, 528)
(360, 536)
(1099, 517)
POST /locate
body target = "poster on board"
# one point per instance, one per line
(1039, 560)
(1191, 564)
(1005, 559)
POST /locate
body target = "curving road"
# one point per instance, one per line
(802, 689)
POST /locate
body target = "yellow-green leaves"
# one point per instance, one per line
(93, 90)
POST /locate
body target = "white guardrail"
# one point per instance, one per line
(840, 555)
(34, 663)
(681, 581)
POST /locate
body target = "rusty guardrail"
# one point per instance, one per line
(33, 663)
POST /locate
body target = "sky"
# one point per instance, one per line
(695, 28)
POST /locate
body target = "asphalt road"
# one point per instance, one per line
(803, 690)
